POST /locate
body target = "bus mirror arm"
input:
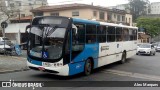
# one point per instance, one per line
(27, 27)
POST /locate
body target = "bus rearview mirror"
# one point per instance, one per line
(27, 27)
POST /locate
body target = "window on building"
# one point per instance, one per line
(12, 4)
(101, 34)
(95, 13)
(126, 20)
(101, 15)
(115, 16)
(90, 33)
(109, 16)
(19, 4)
(75, 13)
(111, 32)
(38, 14)
(123, 18)
(30, 4)
(129, 20)
(54, 14)
(22, 15)
(118, 17)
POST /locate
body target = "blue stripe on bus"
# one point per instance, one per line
(79, 61)
(35, 62)
(76, 20)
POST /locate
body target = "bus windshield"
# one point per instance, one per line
(46, 40)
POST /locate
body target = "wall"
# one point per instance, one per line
(83, 13)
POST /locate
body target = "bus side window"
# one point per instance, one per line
(78, 40)
(80, 35)
(126, 36)
(111, 32)
(90, 33)
(101, 34)
(119, 34)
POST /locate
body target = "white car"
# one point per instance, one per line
(4, 47)
(158, 48)
(7, 41)
(146, 48)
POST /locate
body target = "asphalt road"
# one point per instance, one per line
(137, 68)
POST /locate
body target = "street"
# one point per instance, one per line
(137, 68)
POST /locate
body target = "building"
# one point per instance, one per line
(119, 16)
(22, 7)
(155, 8)
(20, 17)
(16, 29)
(143, 38)
(121, 7)
(84, 11)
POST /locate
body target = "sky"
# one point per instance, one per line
(95, 2)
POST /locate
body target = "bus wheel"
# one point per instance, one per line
(88, 67)
(123, 59)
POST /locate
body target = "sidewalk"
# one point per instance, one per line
(12, 63)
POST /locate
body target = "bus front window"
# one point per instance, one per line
(46, 42)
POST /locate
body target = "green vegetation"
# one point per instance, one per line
(151, 25)
(138, 8)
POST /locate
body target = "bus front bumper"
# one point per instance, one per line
(62, 70)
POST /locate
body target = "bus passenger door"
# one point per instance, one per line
(78, 40)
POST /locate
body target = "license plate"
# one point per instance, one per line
(46, 64)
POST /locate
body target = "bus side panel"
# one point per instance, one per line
(75, 68)
(77, 65)
(107, 53)
(128, 46)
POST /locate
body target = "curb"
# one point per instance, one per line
(10, 71)
(17, 57)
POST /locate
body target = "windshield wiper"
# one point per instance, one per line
(50, 30)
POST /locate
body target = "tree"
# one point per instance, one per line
(151, 25)
(5, 12)
(138, 8)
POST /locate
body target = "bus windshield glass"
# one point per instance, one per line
(46, 39)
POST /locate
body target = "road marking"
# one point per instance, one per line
(132, 74)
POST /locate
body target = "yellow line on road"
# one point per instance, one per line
(132, 74)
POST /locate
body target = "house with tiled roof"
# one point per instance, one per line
(85, 11)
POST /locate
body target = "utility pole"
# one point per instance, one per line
(4, 25)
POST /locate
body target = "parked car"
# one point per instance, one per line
(155, 45)
(158, 48)
(5, 47)
(147, 49)
(7, 41)
(139, 44)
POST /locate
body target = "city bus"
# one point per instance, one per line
(67, 46)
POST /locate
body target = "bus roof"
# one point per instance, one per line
(117, 25)
(85, 21)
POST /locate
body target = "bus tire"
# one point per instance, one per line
(123, 59)
(88, 67)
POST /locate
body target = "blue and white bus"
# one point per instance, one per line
(68, 46)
